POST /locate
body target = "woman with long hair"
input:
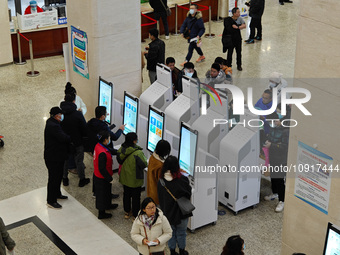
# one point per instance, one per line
(234, 246)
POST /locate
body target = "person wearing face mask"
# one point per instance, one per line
(234, 246)
(277, 143)
(193, 27)
(55, 153)
(188, 70)
(156, 162)
(33, 8)
(133, 161)
(102, 175)
(75, 126)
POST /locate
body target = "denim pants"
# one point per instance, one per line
(192, 46)
(179, 234)
(79, 159)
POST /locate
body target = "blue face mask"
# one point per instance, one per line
(192, 11)
(109, 142)
(62, 117)
(280, 116)
(189, 74)
(244, 246)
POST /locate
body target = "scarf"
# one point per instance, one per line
(148, 220)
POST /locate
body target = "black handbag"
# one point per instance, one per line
(184, 204)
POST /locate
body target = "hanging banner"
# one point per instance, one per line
(313, 177)
(79, 52)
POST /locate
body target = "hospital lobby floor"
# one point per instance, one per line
(25, 103)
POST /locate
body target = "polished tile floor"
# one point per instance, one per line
(24, 106)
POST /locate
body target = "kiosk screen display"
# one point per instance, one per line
(105, 97)
(130, 115)
(155, 128)
(332, 244)
(187, 149)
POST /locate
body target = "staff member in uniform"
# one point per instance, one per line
(33, 8)
(55, 154)
(102, 178)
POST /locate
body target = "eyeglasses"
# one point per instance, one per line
(150, 208)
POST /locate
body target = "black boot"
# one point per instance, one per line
(104, 215)
(183, 252)
(173, 252)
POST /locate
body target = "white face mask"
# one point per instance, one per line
(189, 74)
(192, 11)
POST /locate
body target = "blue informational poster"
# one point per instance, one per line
(130, 114)
(79, 52)
(187, 150)
(155, 128)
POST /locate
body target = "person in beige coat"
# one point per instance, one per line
(151, 229)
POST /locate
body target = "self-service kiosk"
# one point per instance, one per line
(185, 108)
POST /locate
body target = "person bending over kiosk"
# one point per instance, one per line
(179, 186)
(33, 8)
(151, 229)
(102, 163)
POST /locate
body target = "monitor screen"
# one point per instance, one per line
(332, 244)
(105, 97)
(130, 115)
(155, 128)
(187, 149)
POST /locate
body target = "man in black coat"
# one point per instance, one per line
(256, 9)
(160, 12)
(55, 154)
(154, 54)
(74, 125)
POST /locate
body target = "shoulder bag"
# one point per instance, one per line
(167, 9)
(186, 33)
(184, 204)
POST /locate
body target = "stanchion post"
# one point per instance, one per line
(19, 50)
(210, 35)
(218, 20)
(32, 73)
(158, 27)
(176, 21)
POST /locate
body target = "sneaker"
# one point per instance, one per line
(104, 215)
(54, 205)
(114, 196)
(113, 206)
(258, 38)
(93, 195)
(200, 59)
(279, 207)
(167, 37)
(65, 181)
(126, 215)
(249, 41)
(73, 171)
(63, 197)
(271, 197)
(281, 3)
(83, 182)
(183, 63)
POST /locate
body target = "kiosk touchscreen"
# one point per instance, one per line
(130, 113)
(332, 244)
(155, 128)
(187, 149)
(105, 97)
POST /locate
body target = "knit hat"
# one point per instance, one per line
(55, 110)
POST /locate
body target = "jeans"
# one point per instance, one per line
(192, 46)
(157, 16)
(134, 195)
(179, 234)
(238, 48)
(79, 159)
(255, 23)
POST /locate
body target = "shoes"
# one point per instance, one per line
(249, 41)
(73, 171)
(183, 63)
(200, 59)
(65, 181)
(271, 197)
(54, 205)
(114, 196)
(183, 252)
(167, 37)
(173, 252)
(281, 3)
(258, 38)
(239, 68)
(280, 206)
(113, 206)
(104, 215)
(93, 195)
(63, 197)
(127, 215)
(288, 1)
(83, 182)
